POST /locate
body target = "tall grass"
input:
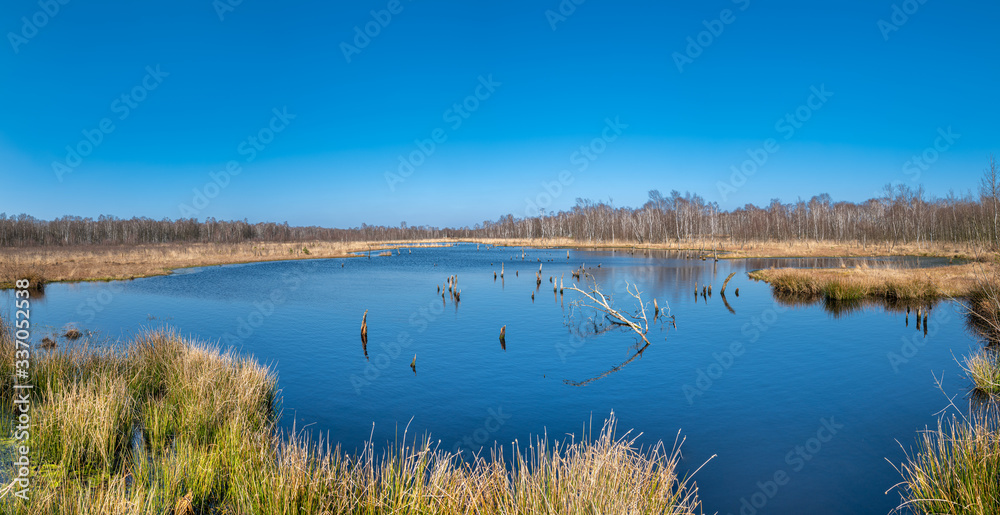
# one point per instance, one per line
(85, 427)
(165, 425)
(847, 285)
(983, 368)
(956, 469)
(984, 306)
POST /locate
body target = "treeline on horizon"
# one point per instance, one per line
(900, 215)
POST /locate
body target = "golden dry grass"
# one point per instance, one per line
(206, 441)
(729, 249)
(100, 263)
(983, 368)
(864, 282)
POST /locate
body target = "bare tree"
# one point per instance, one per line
(637, 322)
(990, 192)
(901, 214)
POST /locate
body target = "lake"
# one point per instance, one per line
(800, 404)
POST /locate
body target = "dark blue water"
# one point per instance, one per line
(801, 407)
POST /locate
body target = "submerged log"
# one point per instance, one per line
(364, 325)
(724, 283)
(503, 335)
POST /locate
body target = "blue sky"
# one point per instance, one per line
(272, 81)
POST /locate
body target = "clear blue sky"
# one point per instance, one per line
(221, 80)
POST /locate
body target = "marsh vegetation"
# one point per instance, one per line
(163, 424)
(955, 466)
(893, 283)
(166, 425)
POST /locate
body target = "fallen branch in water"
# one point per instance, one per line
(724, 283)
(601, 302)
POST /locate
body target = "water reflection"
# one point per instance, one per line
(982, 404)
(765, 401)
(587, 321)
(981, 326)
(724, 301)
(849, 262)
(841, 308)
(610, 371)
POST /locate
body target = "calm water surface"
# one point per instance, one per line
(821, 400)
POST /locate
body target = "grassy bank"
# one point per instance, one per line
(861, 283)
(104, 263)
(955, 469)
(731, 249)
(983, 369)
(164, 425)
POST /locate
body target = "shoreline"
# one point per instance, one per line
(186, 427)
(115, 404)
(904, 284)
(113, 263)
(726, 249)
(75, 264)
